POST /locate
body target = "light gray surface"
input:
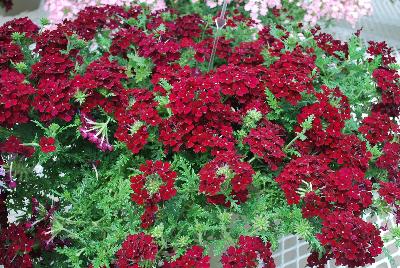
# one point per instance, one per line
(24, 8)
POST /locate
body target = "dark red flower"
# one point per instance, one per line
(266, 143)
(47, 144)
(14, 146)
(291, 75)
(305, 169)
(53, 99)
(382, 49)
(136, 249)
(390, 161)
(15, 97)
(226, 174)
(250, 252)
(377, 128)
(15, 247)
(155, 185)
(390, 192)
(350, 240)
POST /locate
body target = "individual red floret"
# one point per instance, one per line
(47, 144)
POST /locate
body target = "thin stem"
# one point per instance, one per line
(252, 159)
(291, 142)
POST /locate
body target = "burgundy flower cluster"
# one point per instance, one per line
(14, 99)
(9, 51)
(266, 142)
(135, 249)
(21, 243)
(250, 252)
(226, 175)
(291, 75)
(350, 240)
(155, 185)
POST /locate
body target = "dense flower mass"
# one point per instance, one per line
(122, 145)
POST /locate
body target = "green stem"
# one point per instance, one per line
(252, 159)
(291, 142)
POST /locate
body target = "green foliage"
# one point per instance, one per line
(138, 67)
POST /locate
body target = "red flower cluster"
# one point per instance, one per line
(351, 240)
(199, 113)
(136, 249)
(9, 51)
(14, 99)
(133, 121)
(291, 75)
(345, 189)
(226, 175)
(14, 146)
(330, 45)
(387, 81)
(266, 143)
(250, 252)
(382, 49)
(378, 128)
(193, 258)
(155, 185)
(306, 169)
(15, 247)
(200, 120)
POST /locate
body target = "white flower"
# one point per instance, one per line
(38, 169)
(2, 171)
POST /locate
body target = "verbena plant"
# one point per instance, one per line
(121, 148)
